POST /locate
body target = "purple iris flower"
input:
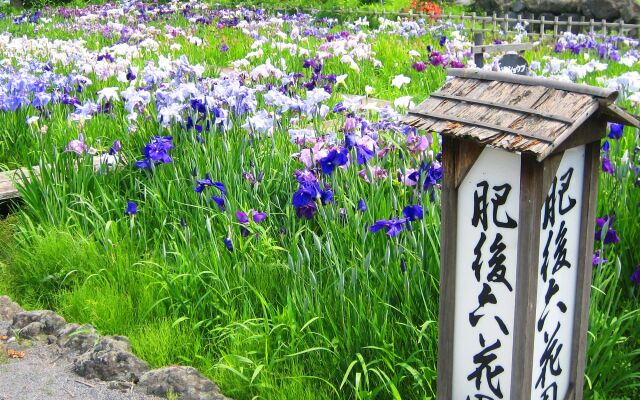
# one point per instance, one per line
(419, 66)
(606, 146)
(412, 213)
(228, 243)
(156, 152)
(393, 227)
(242, 217)
(304, 199)
(363, 154)
(307, 193)
(607, 166)
(305, 176)
(115, 148)
(635, 277)
(362, 205)
(208, 182)
(307, 211)
(615, 131)
(609, 237)
(340, 107)
(130, 75)
(132, 208)
(258, 216)
(219, 201)
(598, 258)
(436, 59)
(224, 48)
(334, 159)
(443, 41)
(77, 146)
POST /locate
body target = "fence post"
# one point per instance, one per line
(473, 21)
(555, 26)
(478, 58)
(604, 27)
(484, 21)
(592, 26)
(505, 26)
(541, 27)
(621, 33)
(569, 23)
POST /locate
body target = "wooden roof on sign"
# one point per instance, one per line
(514, 112)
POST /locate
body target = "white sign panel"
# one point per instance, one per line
(486, 260)
(557, 276)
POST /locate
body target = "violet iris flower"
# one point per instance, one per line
(635, 277)
(393, 227)
(309, 192)
(609, 237)
(412, 213)
(362, 205)
(419, 66)
(115, 148)
(156, 152)
(598, 258)
(334, 159)
(229, 244)
(607, 166)
(615, 131)
(132, 208)
(242, 217)
(219, 201)
(208, 182)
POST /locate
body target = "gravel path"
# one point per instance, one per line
(45, 374)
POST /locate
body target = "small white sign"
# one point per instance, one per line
(486, 260)
(557, 278)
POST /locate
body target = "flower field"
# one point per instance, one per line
(254, 211)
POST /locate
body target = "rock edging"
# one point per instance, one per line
(107, 358)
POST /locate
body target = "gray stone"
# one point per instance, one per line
(8, 309)
(494, 5)
(110, 360)
(629, 10)
(78, 338)
(30, 324)
(553, 6)
(121, 386)
(32, 330)
(186, 382)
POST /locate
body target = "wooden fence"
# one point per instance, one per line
(495, 25)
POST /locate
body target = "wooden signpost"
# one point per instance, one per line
(513, 63)
(521, 164)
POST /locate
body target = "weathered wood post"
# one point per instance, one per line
(478, 57)
(521, 165)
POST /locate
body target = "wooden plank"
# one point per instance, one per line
(568, 132)
(9, 180)
(448, 240)
(470, 73)
(466, 121)
(531, 180)
(468, 153)
(613, 113)
(585, 264)
(485, 102)
(499, 48)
